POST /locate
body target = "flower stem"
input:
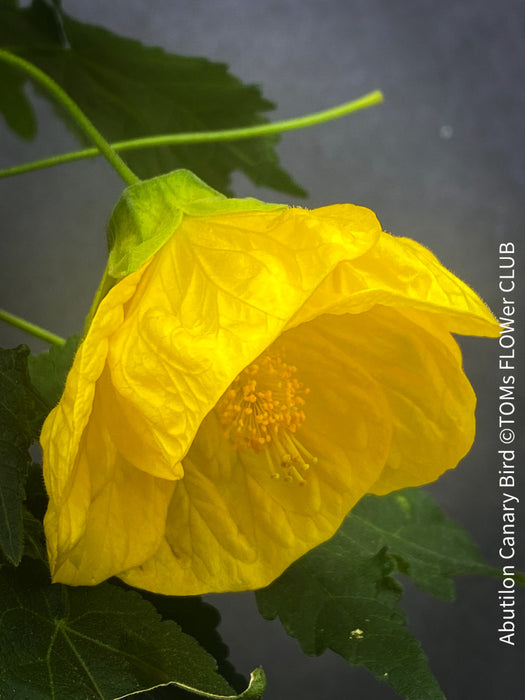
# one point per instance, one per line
(31, 328)
(75, 112)
(248, 132)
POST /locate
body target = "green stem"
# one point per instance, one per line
(248, 132)
(76, 113)
(31, 328)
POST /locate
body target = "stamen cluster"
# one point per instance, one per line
(262, 410)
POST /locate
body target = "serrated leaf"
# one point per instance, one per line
(342, 595)
(21, 414)
(339, 597)
(49, 369)
(200, 620)
(91, 643)
(14, 105)
(36, 495)
(130, 90)
(429, 547)
(34, 538)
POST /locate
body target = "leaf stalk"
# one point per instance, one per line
(102, 146)
(237, 134)
(31, 328)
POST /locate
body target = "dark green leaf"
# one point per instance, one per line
(36, 495)
(130, 90)
(34, 540)
(16, 27)
(428, 546)
(102, 642)
(200, 620)
(337, 599)
(14, 104)
(22, 411)
(49, 369)
(342, 595)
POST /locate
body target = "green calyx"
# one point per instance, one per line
(149, 213)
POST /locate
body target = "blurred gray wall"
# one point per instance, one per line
(441, 161)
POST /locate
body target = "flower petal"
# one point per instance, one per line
(150, 211)
(190, 328)
(143, 482)
(93, 491)
(64, 427)
(430, 399)
(231, 526)
(124, 521)
(401, 273)
(164, 344)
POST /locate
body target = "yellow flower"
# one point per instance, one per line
(240, 391)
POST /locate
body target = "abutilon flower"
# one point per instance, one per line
(244, 385)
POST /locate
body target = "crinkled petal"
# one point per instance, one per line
(364, 316)
(231, 526)
(126, 516)
(94, 499)
(429, 397)
(164, 344)
(213, 298)
(401, 273)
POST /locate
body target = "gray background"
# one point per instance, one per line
(441, 161)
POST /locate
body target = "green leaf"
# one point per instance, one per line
(36, 495)
(336, 598)
(49, 370)
(200, 620)
(427, 545)
(14, 104)
(129, 90)
(91, 643)
(342, 595)
(34, 539)
(22, 411)
(148, 214)
(14, 27)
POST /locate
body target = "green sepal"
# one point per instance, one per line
(149, 213)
